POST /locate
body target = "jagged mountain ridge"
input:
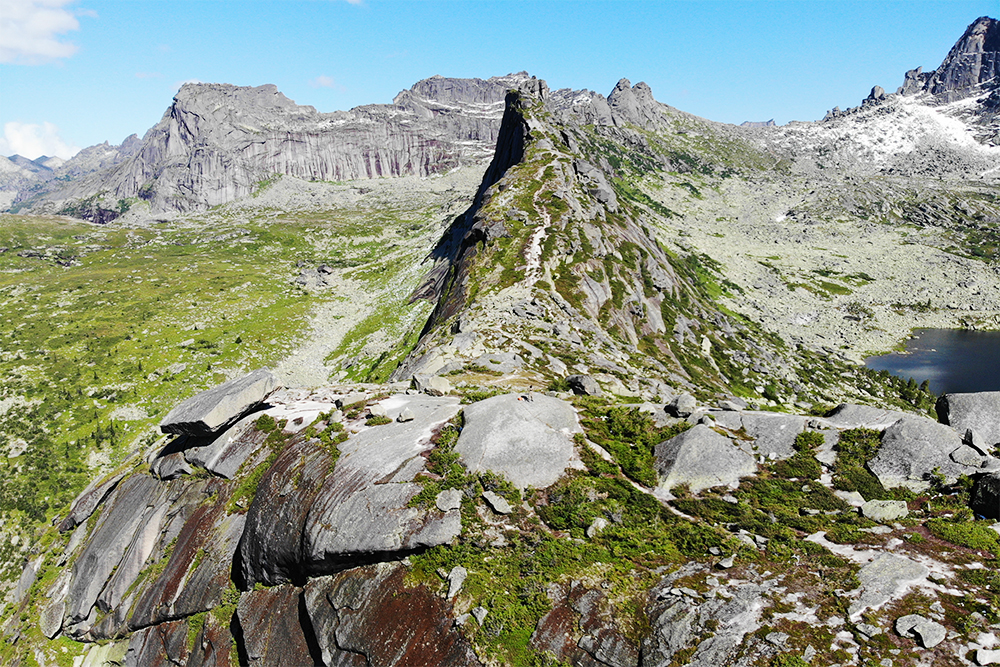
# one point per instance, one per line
(218, 142)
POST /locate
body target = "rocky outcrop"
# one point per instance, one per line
(985, 499)
(972, 64)
(209, 412)
(978, 412)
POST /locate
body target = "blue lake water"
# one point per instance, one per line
(953, 360)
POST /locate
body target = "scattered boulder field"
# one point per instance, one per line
(277, 525)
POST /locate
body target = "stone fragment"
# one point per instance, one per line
(701, 459)
(598, 524)
(885, 511)
(449, 499)
(867, 630)
(498, 503)
(377, 410)
(212, 411)
(432, 385)
(405, 416)
(529, 442)
(930, 633)
(985, 656)
(967, 456)
(479, 613)
(846, 416)
(584, 385)
(681, 406)
(456, 578)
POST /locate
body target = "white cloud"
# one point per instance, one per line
(30, 31)
(322, 81)
(31, 141)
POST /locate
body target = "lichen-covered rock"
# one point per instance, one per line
(212, 411)
(847, 415)
(885, 511)
(270, 631)
(526, 438)
(773, 434)
(882, 578)
(912, 449)
(163, 645)
(927, 631)
(368, 616)
(700, 458)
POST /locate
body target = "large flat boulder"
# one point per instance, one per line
(883, 579)
(978, 411)
(700, 458)
(212, 411)
(773, 434)
(526, 438)
(847, 416)
(912, 449)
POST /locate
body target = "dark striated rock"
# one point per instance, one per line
(986, 496)
(214, 410)
(368, 616)
(113, 534)
(526, 438)
(584, 385)
(213, 645)
(226, 454)
(273, 630)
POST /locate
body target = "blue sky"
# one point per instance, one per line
(74, 73)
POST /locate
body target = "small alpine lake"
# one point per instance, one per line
(953, 360)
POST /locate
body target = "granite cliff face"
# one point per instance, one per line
(971, 67)
(218, 142)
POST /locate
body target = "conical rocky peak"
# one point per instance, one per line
(971, 66)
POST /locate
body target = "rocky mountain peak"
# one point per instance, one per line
(972, 65)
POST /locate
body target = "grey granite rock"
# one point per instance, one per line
(927, 631)
(701, 459)
(912, 449)
(882, 578)
(88, 500)
(681, 406)
(885, 511)
(497, 503)
(212, 411)
(584, 385)
(450, 499)
(773, 434)
(985, 499)
(847, 416)
(978, 411)
(526, 438)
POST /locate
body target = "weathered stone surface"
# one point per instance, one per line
(367, 616)
(978, 411)
(270, 631)
(911, 449)
(212, 411)
(927, 631)
(87, 502)
(200, 563)
(885, 511)
(112, 535)
(584, 385)
(847, 416)
(163, 645)
(432, 385)
(774, 434)
(985, 499)
(213, 645)
(527, 439)
(169, 467)
(882, 579)
(700, 458)
(456, 578)
(985, 656)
